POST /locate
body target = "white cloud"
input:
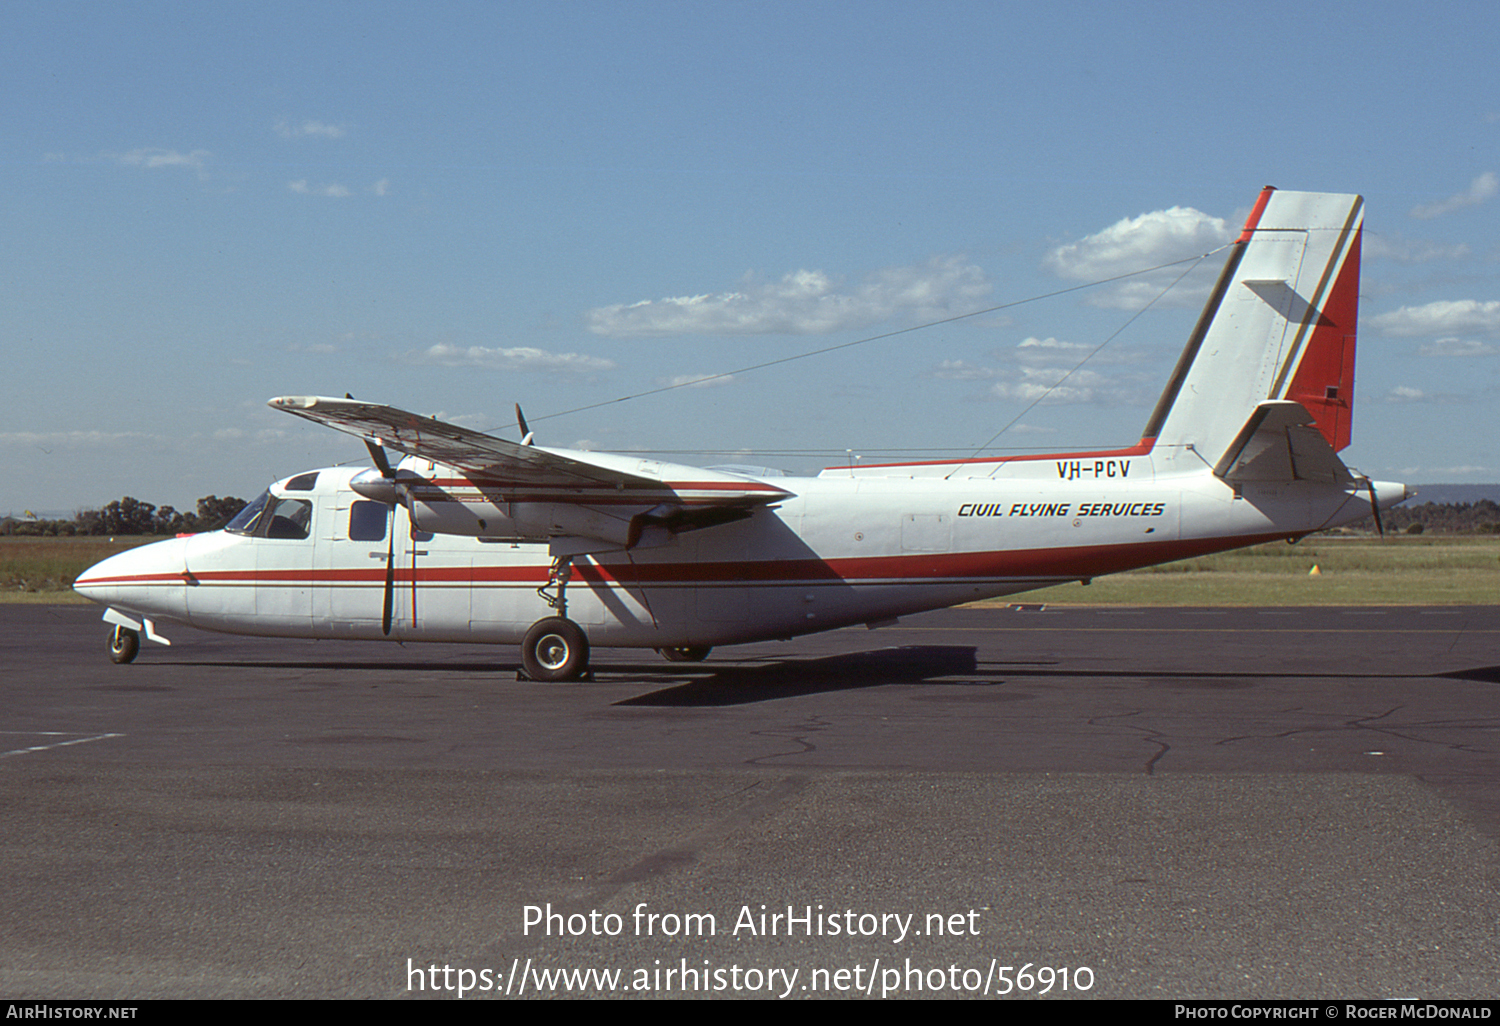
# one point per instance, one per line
(1082, 386)
(962, 370)
(1457, 347)
(1407, 394)
(522, 358)
(309, 128)
(152, 157)
(1135, 243)
(1051, 370)
(1444, 317)
(1410, 251)
(1480, 189)
(48, 440)
(237, 435)
(805, 303)
(335, 191)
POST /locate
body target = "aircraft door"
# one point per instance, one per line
(284, 562)
(352, 559)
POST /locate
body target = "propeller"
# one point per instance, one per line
(398, 495)
(390, 574)
(377, 453)
(1368, 485)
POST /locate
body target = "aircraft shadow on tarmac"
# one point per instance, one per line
(772, 678)
(780, 678)
(1479, 674)
(706, 684)
(741, 683)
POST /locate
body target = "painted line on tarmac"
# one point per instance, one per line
(55, 744)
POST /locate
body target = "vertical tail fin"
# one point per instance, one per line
(1279, 325)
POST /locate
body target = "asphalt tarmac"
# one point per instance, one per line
(1165, 803)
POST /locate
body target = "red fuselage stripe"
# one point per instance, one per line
(1075, 562)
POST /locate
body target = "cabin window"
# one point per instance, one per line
(302, 482)
(367, 521)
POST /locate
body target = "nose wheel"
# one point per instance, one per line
(124, 645)
(555, 649)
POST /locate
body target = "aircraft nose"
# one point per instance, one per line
(149, 579)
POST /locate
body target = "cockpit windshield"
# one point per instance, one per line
(245, 520)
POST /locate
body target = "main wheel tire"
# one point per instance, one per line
(686, 653)
(124, 645)
(555, 649)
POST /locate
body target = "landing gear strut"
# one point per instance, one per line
(124, 645)
(558, 577)
(556, 648)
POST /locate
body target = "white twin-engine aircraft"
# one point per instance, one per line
(506, 542)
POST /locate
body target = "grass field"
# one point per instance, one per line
(43, 569)
(1353, 571)
(1404, 570)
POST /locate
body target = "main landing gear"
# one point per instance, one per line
(555, 648)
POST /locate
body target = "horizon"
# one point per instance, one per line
(605, 213)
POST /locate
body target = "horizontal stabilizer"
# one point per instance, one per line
(1280, 443)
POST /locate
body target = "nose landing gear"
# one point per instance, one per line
(124, 644)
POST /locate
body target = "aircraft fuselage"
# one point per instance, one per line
(842, 549)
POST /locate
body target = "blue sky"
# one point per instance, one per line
(454, 207)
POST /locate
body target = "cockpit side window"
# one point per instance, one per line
(290, 518)
(273, 517)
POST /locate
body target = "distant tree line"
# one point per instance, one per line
(131, 516)
(1482, 517)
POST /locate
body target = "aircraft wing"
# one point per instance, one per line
(497, 463)
(472, 451)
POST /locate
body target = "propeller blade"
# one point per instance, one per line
(526, 432)
(377, 453)
(412, 532)
(1375, 508)
(390, 573)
